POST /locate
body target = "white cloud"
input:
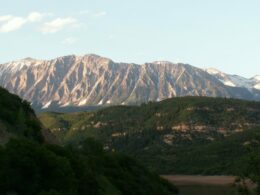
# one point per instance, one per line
(5, 18)
(58, 24)
(35, 17)
(69, 41)
(9, 23)
(12, 24)
(100, 14)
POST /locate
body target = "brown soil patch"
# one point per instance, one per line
(182, 180)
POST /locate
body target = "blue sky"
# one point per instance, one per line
(224, 34)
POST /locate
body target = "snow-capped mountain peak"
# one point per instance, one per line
(235, 80)
(213, 71)
(162, 62)
(224, 78)
(18, 65)
(92, 80)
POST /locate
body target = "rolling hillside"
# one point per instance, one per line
(161, 134)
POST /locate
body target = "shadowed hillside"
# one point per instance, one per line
(17, 119)
(29, 165)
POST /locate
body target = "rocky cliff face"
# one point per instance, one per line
(94, 80)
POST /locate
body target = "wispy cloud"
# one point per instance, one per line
(69, 41)
(9, 23)
(58, 24)
(84, 12)
(100, 14)
(92, 13)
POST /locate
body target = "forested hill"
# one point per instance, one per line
(158, 133)
(217, 117)
(17, 119)
(30, 165)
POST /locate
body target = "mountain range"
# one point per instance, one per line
(91, 80)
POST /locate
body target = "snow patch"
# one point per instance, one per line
(215, 72)
(212, 71)
(229, 83)
(82, 102)
(66, 104)
(47, 105)
(241, 81)
(235, 80)
(108, 102)
(257, 86)
(162, 62)
(100, 102)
